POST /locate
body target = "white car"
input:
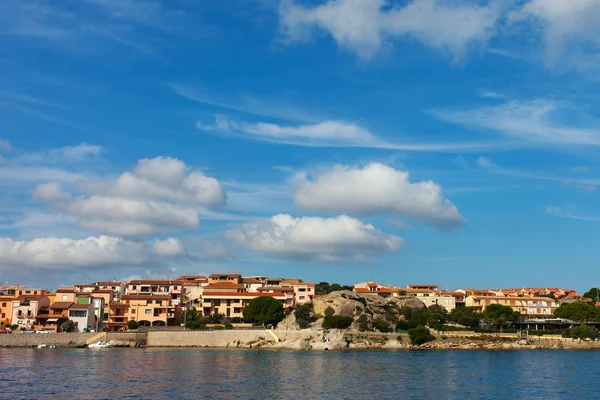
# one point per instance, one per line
(45, 331)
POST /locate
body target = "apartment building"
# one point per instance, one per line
(172, 288)
(529, 307)
(25, 309)
(149, 309)
(232, 303)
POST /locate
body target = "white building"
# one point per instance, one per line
(83, 315)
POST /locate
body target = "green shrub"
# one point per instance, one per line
(218, 327)
(68, 326)
(304, 315)
(228, 326)
(363, 323)
(381, 325)
(194, 325)
(132, 325)
(329, 311)
(336, 322)
(419, 335)
(402, 325)
(581, 332)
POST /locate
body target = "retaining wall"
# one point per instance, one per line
(74, 339)
(220, 338)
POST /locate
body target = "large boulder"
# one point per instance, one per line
(355, 305)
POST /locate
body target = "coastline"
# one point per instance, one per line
(298, 340)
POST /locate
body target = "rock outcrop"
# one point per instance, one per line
(350, 304)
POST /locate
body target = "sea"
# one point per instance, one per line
(153, 373)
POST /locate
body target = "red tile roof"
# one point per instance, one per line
(61, 305)
(146, 297)
(243, 294)
(224, 285)
(155, 282)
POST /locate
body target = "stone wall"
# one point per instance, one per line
(221, 338)
(127, 339)
(74, 339)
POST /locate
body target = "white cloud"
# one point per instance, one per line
(566, 26)
(63, 253)
(377, 188)
(51, 192)
(326, 134)
(17, 174)
(493, 95)
(170, 247)
(398, 224)
(538, 121)
(485, 162)
(365, 26)
(313, 238)
(5, 146)
(159, 194)
(562, 213)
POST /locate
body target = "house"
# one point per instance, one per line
(459, 297)
(107, 296)
(251, 284)
(216, 278)
(5, 310)
(530, 307)
(446, 301)
(83, 315)
(304, 292)
(25, 309)
(85, 288)
(117, 288)
(232, 303)
(172, 288)
(53, 316)
(117, 317)
(428, 286)
(149, 309)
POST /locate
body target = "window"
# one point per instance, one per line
(29, 313)
(301, 297)
(77, 313)
(133, 287)
(156, 301)
(3, 315)
(147, 311)
(64, 296)
(20, 313)
(302, 290)
(3, 304)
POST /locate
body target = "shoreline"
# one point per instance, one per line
(333, 340)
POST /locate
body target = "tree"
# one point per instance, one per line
(68, 326)
(465, 316)
(578, 312)
(497, 314)
(593, 293)
(322, 288)
(582, 332)
(336, 322)
(132, 325)
(381, 325)
(419, 335)
(329, 311)
(189, 315)
(264, 310)
(304, 315)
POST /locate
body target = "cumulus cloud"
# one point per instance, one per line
(325, 134)
(170, 247)
(159, 194)
(63, 253)
(538, 121)
(365, 26)
(485, 162)
(313, 238)
(376, 188)
(5, 146)
(566, 26)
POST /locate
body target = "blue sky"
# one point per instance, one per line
(398, 141)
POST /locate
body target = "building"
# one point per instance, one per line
(443, 300)
(172, 288)
(83, 315)
(304, 292)
(117, 317)
(459, 297)
(217, 278)
(529, 307)
(232, 303)
(427, 286)
(25, 309)
(149, 309)
(5, 310)
(251, 284)
(117, 288)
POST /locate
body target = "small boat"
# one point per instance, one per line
(42, 346)
(100, 345)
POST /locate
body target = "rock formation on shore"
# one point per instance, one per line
(355, 305)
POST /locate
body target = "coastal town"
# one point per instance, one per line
(113, 306)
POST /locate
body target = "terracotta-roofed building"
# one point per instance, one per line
(528, 306)
(117, 318)
(428, 286)
(304, 292)
(193, 278)
(232, 304)
(25, 309)
(84, 317)
(216, 278)
(150, 309)
(251, 284)
(173, 288)
(224, 287)
(5, 310)
(118, 288)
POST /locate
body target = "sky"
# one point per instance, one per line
(416, 141)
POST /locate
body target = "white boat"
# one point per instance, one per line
(100, 345)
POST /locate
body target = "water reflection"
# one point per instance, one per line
(203, 373)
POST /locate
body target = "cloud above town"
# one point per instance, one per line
(102, 251)
(376, 189)
(316, 239)
(159, 194)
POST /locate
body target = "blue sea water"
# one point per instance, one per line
(228, 374)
